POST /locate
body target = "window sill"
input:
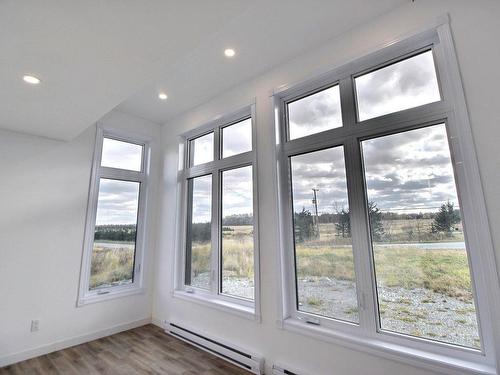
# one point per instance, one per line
(395, 352)
(219, 304)
(112, 294)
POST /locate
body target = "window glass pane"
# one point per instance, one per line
(237, 138)
(405, 84)
(123, 155)
(115, 234)
(202, 149)
(322, 232)
(315, 113)
(199, 245)
(423, 279)
(237, 233)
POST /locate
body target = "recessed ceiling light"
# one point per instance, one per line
(31, 79)
(162, 96)
(229, 52)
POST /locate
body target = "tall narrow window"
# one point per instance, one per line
(113, 239)
(322, 235)
(220, 241)
(199, 244)
(237, 233)
(113, 253)
(423, 279)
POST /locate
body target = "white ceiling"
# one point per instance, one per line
(94, 55)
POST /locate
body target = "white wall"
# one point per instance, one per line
(43, 199)
(476, 28)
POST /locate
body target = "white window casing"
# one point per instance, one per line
(450, 110)
(214, 297)
(85, 295)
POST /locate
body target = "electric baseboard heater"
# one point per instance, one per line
(235, 355)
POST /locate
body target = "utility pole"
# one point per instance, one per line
(315, 202)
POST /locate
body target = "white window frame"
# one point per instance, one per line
(214, 297)
(86, 296)
(451, 110)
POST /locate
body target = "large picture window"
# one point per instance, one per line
(114, 237)
(379, 212)
(219, 253)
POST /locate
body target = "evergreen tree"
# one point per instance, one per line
(445, 219)
(376, 225)
(201, 232)
(304, 225)
(343, 224)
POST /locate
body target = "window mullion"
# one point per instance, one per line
(216, 217)
(347, 102)
(215, 237)
(217, 144)
(187, 244)
(360, 238)
(359, 220)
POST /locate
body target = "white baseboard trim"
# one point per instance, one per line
(66, 343)
(158, 322)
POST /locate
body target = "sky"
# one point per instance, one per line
(315, 113)
(236, 139)
(117, 202)
(203, 149)
(323, 170)
(236, 183)
(406, 84)
(123, 155)
(237, 194)
(406, 172)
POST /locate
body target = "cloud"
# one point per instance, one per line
(404, 172)
(315, 113)
(323, 170)
(410, 171)
(203, 149)
(406, 84)
(237, 138)
(123, 155)
(202, 199)
(117, 202)
(237, 192)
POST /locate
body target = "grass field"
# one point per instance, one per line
(237, 261)
(444, 271)
(441, 270)
(423, 291)
(111, 265)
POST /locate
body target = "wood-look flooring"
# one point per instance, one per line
(144, 350)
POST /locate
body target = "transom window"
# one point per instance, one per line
(115, 222)
(374, 206)
(219, 241)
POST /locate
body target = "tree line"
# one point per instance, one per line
(305, 223)
(122, 233)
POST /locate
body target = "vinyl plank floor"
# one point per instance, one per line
(143, 350)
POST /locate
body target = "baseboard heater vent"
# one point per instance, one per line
(237, 356)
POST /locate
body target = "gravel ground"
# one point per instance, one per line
(418, 312)
(232, 286)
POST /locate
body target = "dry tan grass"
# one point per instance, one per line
(110, 266)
